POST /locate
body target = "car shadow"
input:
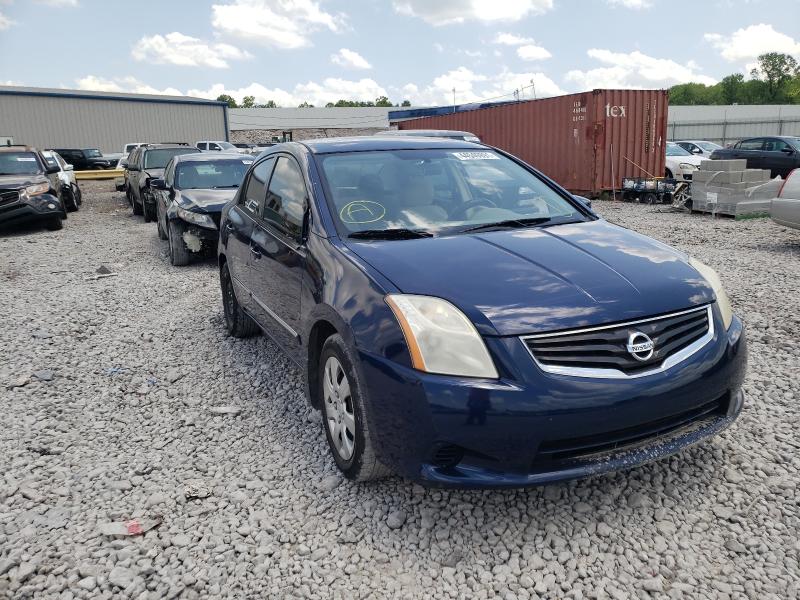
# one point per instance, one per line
(23, 229)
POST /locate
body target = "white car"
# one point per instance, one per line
(680, 164)
(699, 147)
(785, 209)
(130, 147)
(219, 146)
(66, 175)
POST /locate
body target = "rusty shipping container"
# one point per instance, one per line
(587, 142)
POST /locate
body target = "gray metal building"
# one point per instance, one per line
(726, 124)
(56, 118)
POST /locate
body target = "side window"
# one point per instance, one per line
(754, 144)
(286, 199)
(252, 197)
(213, 147)
(202, 146)
(169, 173)
(776, 146)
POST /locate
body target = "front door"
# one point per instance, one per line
(779, 157)
(277, 255)
(238, 231)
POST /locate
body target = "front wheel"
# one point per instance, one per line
(237, 322)
(137, 208)
(70, 200)
(178, 252)
(55, 224)
(344, 414)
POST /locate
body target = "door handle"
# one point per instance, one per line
(255, 252)
(228, 226)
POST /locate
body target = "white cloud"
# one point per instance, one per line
(510, 39)
(59, 3)
(5, 22)
(750, 42)
(178, 49)
(532, 52)
(634, 70)
(350, 59)
(329, 90)
(472, 87)
(446, 12)
(633, 4)
(122, 84)
(278, 23)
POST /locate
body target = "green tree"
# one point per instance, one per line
(268, 104)
(776, 70)
(229, 99)
(248, 102)
(382, 101)
(305, 105)
(732, 88)
(405, 103)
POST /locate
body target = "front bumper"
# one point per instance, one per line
(531, 428)
(41, 207)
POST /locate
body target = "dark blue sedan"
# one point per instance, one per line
(462, 320)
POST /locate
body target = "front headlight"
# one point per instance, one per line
(440, 337)
(688, 167)
(710, 275)
(198, 219)
(34, 190)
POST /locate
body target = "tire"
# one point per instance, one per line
(147, 212)
(137, 208)
(344, 416)
(650, 198)
(237, 322)
(178, 252)
(668, 174)
(78, 194)
(70, 201)
(162, 235)
(55, 224)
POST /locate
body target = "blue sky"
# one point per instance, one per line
(304, 50)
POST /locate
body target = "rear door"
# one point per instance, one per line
(785, 208)
(752, 151)
(277, 254)
(238, 230)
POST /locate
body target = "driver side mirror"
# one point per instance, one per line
(585, 202)
(132, 168)
(69, 168)
(697, 150)
(787, 151)
(52, 169)
(158, 184)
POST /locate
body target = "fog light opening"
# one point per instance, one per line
(447, 455)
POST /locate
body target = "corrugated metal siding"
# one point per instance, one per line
(107, 124)
(727, 124)
(570, 138)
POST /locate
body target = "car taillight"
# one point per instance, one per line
(783, 185)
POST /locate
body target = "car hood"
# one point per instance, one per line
(13, 182)
(207, 200)
(694, 159)
(533, 280)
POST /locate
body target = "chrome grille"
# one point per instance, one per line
(603, 351)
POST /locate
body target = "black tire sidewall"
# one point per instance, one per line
(335, 346)
(229, 312)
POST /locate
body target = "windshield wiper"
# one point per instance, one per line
(390, 234)
(220, 187)
(508, 223)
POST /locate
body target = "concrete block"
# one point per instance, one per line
(702, 176)
(727, 177)
(758, 175)
(736, 164)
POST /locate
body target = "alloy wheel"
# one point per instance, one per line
(339, 410)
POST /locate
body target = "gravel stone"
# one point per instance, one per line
(239, 498)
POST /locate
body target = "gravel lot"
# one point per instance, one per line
(107, 388)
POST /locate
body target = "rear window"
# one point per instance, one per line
(19, 163)
(158, 158)
(211, 174)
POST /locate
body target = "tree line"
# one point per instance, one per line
(776, 80)
(250, 102)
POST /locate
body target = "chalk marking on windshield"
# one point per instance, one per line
(476, 156)
(362, 211)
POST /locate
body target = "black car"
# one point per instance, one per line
(147, 162)
(86, 159)
(190, 198)
(29, 188)
(778, 154)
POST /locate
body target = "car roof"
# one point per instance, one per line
(208, 157)
(17, 148)
(161, 146)
(389, 142)
(426, 132)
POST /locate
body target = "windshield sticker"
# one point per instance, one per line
(25, 159)
(362, 211)
(247, 162)
(476, 156)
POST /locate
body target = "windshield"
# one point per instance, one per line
(92, 153)
(434, 190)
(211, 174)
(675, 150)
(19, 163)
(158, 159)
(710, 146)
